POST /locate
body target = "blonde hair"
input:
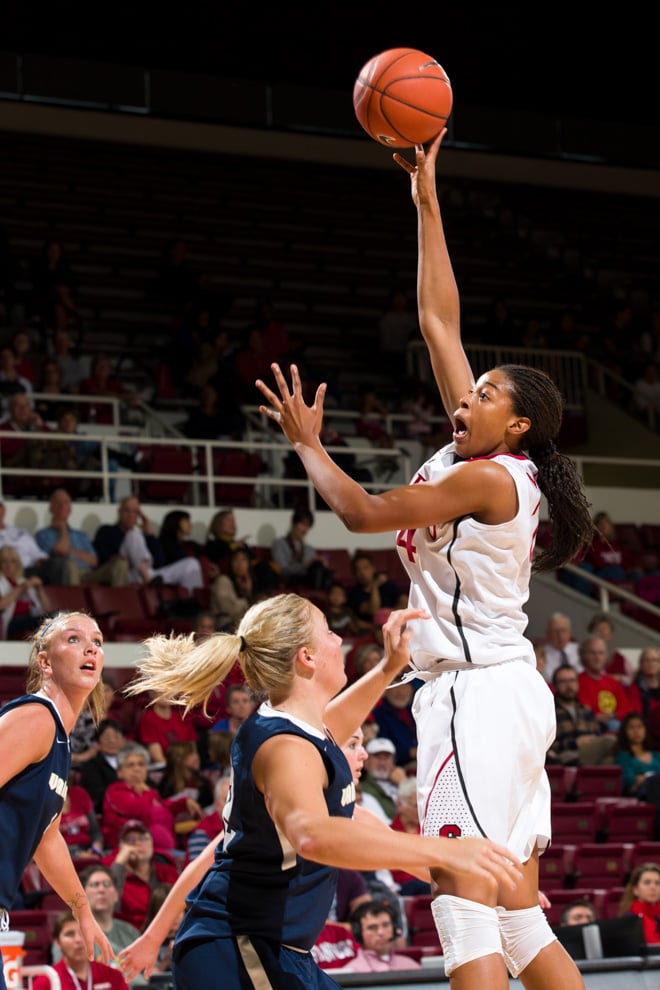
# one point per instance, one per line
(628, 895)
(41, 640)
(185, 672)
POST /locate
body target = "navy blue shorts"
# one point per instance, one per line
(243, 963)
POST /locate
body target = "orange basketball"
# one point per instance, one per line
(402, 97)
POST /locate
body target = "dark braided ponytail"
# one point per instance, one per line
(535, 396)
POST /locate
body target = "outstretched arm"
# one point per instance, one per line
(142, 954)
(478, 488)
(437, 293)
(54, 860)
(351, 707)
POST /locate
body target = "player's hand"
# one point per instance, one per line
(139, 957)
(481, 858)
(300, 423)
(422, 173)
(396, 638)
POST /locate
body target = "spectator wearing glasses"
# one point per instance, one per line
(580, 739)
(103, 897)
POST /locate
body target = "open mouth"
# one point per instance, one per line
(89, 666)
(460, 429)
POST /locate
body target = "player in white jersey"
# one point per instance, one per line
(466, 529)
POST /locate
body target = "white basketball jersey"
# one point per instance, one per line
(471, 577)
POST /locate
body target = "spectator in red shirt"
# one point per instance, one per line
(74, 969)
(601, 692)
(136, 869)
(162, 724)
(642, 897)
(132, 797)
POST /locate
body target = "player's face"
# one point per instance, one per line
(484, 416)
(355, 754)
(74, 656)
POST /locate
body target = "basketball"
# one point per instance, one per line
(402, 97)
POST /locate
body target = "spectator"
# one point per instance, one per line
(251, 361)
(601, 692)
(646, 390)
(407, 820)
(299, 564)
(54, 288)
(560, 647)
(161, 725)
(372, 590)
(50, 384)
(273, 332)
(240, 705)
(175, 537)
(638, 761)
(644, 692)
(101, 384)
(74, 968)
(580, 738)
(419, 402)
(21, 344)
(335, 947)
(217, 416)
(73, 368)
(375, 928)
(132, 537)
(11, 383)
(396, 325)
(103, 898)
(97, 773)
(371, 421)
(578, 912)
(211, 824)
(20, 417)
(88, 453)
(221, 539)
(642, 897)
(83, 741)
(183, 777)
(59, 539)
(177, 281)
(381, 778)
(618, 665)
(33, 560)
(607, 557)
(24, 601)
(131, 796)
(79, 824)
(233, 592)
(396, 722)
(136, 869)
(341, 617)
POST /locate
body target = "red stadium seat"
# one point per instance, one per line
(601, 864)
(574, 822)
(596, 781)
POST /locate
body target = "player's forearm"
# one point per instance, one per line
(347, 499)
(175, 901)
(54, 861)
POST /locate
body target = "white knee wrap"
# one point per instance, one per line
(524, 933)
(467, 930)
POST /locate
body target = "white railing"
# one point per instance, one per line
(52, 975)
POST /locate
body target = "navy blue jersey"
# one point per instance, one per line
(258, 885)
(29, 802)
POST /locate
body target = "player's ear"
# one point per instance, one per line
(520, 425)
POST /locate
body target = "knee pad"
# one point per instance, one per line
(524, 933)
(467, 930)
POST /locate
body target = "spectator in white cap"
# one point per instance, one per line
(380, 779)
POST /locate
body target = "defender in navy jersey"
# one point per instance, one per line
(466, 528)
(63, 675)
(262, 896)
